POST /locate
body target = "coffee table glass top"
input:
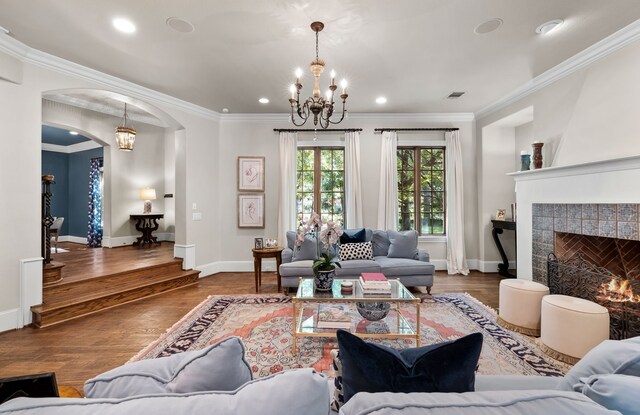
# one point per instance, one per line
(306, 292)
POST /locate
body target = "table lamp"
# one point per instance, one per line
(147, 194)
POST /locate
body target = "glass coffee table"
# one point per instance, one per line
(394, 325)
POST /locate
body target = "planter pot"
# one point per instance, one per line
(324, 280)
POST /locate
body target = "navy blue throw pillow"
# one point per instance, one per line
(353, 236)
(442, 367)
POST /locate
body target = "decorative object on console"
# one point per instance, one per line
(537, 154)
(270, 243)
(125, 135)
(251, 174)
(346, 287)
(525, 161)
(147, 194)
(258, 243)
(320, 107)
(251, 210)
(501, 214)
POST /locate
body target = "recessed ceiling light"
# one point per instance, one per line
(381, 100)
(180, 25)
(124, 25)
(263, 100)
(73, 132)
(488, 26)
(225, 110)
(549, 26)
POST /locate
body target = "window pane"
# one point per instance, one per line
(309, 160)
(405, 159)
(437, 182)
(338, 180)
(325, 158)
(438, 159)
(338, 160)
(437, 223)
(405, 180)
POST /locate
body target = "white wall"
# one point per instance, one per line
(523, 140)
(251, 137)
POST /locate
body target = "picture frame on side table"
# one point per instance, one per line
(251, 210)
(258, 243)
(501, 214)
(250, 174)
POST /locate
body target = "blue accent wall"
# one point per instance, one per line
(71, 191)
(79, 190)
(57, 164)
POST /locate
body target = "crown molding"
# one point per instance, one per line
(74, 148)
(36, 57)
(593, 53)
(427, 117)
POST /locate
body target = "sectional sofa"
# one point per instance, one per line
(604, 382)
(396, 257)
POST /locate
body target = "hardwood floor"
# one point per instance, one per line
(80, 349)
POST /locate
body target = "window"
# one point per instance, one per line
(320, 183)
(421, 193)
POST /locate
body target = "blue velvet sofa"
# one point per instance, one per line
(410, 264)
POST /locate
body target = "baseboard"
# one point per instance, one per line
(113, 242)
(233, 266)
(492, 266)
(71, 238)
(9, 319)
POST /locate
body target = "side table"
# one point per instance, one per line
(498, 226)
(258, 254)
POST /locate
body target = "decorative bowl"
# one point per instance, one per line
(373, 311)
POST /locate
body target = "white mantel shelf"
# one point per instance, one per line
(593, 167)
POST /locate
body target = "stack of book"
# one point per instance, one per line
(374, 283)
(334, 316)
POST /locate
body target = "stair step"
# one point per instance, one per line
(108, 283)
(57, 310)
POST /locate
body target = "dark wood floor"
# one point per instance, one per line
(80, 349)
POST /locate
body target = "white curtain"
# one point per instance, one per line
(287, 197)
(353, 188)
(388, 197)
(456, 257)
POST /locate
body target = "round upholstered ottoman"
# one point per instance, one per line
(519, 308)
(572, 326)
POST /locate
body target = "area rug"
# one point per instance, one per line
(264, 322)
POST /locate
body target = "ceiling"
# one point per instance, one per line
(413, 52)
(60, 137)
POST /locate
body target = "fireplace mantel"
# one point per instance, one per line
(606, 181)
(593, 167)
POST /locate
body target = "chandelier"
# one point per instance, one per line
(125, 135)
(321, 107)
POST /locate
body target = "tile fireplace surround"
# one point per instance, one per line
(615, 227)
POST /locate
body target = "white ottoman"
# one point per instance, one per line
(519, 305)
(572, 326)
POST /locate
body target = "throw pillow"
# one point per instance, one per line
(443, 367)
(220, 367)
(308, 250)
(403, 244)
(338, 397)
(615, 392)
(355, 251)
(609, 357)
(380, 242)
(352, 236)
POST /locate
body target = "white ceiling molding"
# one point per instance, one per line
(74, 148)
(427, 117)
(593, 53)
(33, 56)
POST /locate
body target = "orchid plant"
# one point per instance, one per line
(326, 233)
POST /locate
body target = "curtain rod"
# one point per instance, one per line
(328, 130)
(379, 130)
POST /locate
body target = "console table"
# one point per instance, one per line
(498, 228)
(258, 254)
(147, 224)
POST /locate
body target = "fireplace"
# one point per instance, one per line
(591, 251)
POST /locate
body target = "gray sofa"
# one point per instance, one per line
(412, 272)
(607, 377)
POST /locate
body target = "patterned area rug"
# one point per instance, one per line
(264, 322)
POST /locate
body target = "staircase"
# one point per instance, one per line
(68, 300)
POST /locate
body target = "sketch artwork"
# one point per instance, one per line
(251, 174)
(251, 211)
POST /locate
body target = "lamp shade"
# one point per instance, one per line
(148, 194)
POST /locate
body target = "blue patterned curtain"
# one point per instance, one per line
(94, 234)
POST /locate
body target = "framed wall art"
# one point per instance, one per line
(250, 174)
(251, 210)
